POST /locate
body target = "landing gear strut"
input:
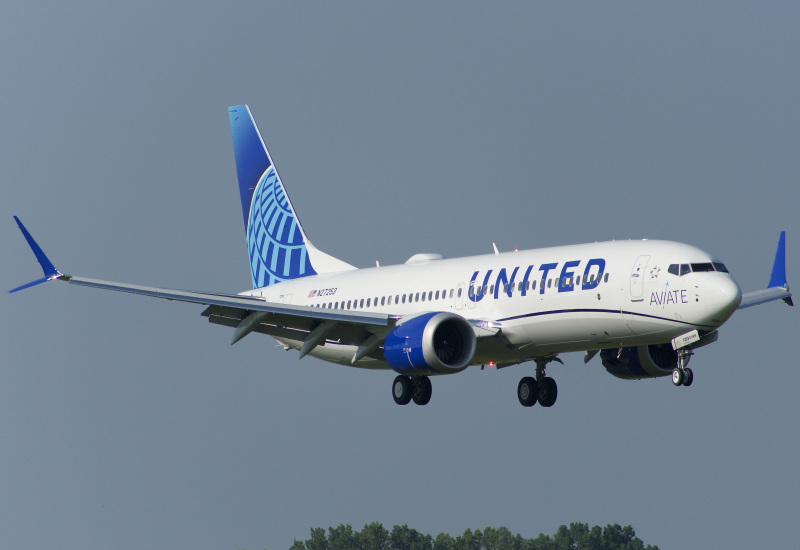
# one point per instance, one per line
(406, 388)
(541, 389)
(683, 375)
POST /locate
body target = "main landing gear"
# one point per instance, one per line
(406, 388)
(542, 389)
(683, 375)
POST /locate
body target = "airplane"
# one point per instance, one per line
(644, 306)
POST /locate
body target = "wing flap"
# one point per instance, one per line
(239, 302)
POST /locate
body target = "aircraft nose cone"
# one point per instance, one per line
(726, 296)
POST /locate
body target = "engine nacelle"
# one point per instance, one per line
(432, 343)
(640, 362)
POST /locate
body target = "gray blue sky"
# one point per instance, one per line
(398, 128)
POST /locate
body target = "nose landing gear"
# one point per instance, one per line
(683, 375)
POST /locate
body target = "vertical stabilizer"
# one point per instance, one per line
(276, 243)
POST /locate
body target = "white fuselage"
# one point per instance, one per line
(546, 301)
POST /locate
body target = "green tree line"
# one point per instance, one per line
(374, 536)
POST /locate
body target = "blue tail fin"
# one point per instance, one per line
(277, 245)
(275, 240)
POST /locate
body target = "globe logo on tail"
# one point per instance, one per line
(274, 240)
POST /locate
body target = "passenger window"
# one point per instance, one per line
(383, 300)
(451, 292)
(404, 298)
(605, 279)
(578, 280)
(416, 299)
(430, 295)
(437, 294)
(533, 285)
(348, 304)
(367, 302)
(423, 296)
(491, 289)
(459, 293)
(549, 283)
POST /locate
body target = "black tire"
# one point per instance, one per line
(548, 392)
(401, 390)
(421, 390)
(677, 376)
(528, 391)
(688, 377)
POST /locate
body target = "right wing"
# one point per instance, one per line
(778, 288)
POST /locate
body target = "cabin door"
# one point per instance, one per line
(637, 278)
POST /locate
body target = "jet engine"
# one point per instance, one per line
(432, 343)
(641, 361)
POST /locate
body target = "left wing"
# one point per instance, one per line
(248, 313)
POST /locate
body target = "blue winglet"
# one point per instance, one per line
(778, 277)
(50, 271)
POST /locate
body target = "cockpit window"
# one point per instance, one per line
(702, 267)
(681, 269)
